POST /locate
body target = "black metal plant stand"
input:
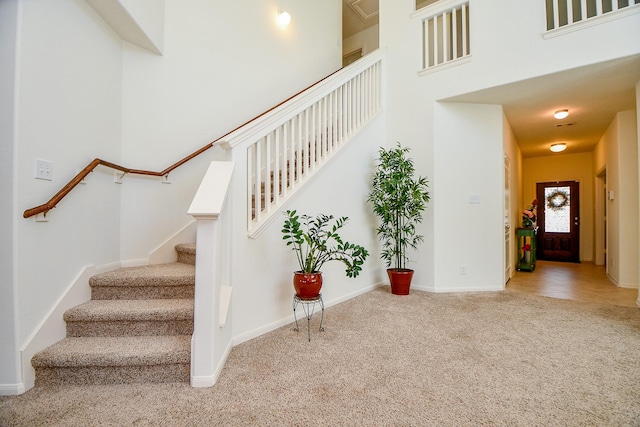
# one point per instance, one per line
(308, 306)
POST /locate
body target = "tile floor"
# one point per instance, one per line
(581, 282)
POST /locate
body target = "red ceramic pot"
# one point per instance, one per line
(400, 280)
(307, 285)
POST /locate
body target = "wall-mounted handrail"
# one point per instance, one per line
(46, 207)
(95, 163)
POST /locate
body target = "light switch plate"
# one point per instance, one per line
(474, 198)
(44, 170)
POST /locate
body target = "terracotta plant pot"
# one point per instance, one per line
(400, 280)
(307, 285)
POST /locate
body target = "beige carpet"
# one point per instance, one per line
(490, 359)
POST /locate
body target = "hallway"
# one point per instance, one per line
(579, 282)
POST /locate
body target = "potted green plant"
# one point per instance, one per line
(316, 241)
(398, 200)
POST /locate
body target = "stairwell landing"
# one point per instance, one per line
(136, 328)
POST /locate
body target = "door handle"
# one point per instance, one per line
(576, 220)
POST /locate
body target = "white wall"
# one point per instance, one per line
(617, 150)
(223, 63)
(10, 377)
(628, 199)
(67, 111)
(506, 46)
(368, 40)
(469, 237)
(81, 93)
(262, 268)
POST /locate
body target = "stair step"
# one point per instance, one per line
(186, 253)
(130, 318)
(115, 360)
(160, 281)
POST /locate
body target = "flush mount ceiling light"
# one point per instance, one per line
(556, 148)
(283, 18)
(561, 114)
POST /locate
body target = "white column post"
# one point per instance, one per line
(205, 310)
(208, 343)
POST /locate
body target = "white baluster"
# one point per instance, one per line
(324, 128)
(312, 150)
(299, 154)
(570, 12)
(258, 180)
(342, 99)
(252, 194)
(332, 121)
(425, 44)
(267, 172)
(556, 14)
(465, 26)
(454, 34)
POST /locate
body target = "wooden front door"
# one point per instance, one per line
(558, 221)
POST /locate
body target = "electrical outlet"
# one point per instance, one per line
(463, 270)
(44, 170)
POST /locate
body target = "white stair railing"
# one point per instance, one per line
(445, 34)
(562, 13)
(289, 145)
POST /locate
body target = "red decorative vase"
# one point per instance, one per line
(400, 280)
(307, 285)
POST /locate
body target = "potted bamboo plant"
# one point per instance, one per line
(398, 199)
(316, 241)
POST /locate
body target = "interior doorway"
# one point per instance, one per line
(558, 221)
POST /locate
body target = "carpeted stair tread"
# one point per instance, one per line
(116, 351)
(136, 328)
(172, 274)
(186, 253)
(189, 248)
(135, 310)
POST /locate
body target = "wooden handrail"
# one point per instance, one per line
(46, 207)
(95, 163)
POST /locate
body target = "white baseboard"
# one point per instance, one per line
(11, 389)
(210, 380)
(628, 285)
(134, 262)
(53, 328)
(496, 288)
(166, 252)
(249, 335)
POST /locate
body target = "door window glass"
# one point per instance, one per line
(556, 209)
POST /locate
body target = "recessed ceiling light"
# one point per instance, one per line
(556, 148)
(561, 114)
(283, 18)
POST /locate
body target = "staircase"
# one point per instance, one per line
(136, 329)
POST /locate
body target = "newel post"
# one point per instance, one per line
(209, 344)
